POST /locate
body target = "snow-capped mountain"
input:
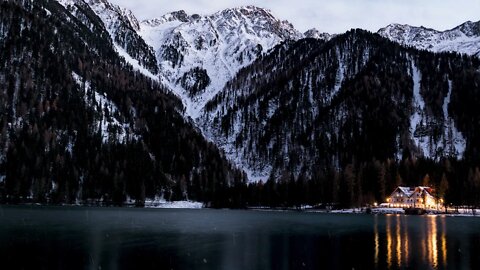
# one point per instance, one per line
(193, 55)
(199, 54)
(316, 34)
(123, 27)
(464, 38)
(352, 98)
(82, 123)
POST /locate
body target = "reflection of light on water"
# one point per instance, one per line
(444, 242)
(389, 242)
(405, 241)
(433, 243)
(377, 242)
(399, 242)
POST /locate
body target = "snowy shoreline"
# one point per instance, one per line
(400, 211)
(175, 205)
(374, 211)
(152, 204)
(162, 204)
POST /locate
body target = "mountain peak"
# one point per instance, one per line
(180, 16)
(255, 20)
(111, 13)
(464, 38)
(248, 10)
(395, 27)
(469, 28)
(316, 34)
(198, 54)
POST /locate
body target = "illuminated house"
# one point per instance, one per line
(413, 197)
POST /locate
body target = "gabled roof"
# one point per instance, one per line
(406, 190)
(425, 189)
(410, 191)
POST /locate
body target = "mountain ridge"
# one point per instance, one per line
(318, 96)
(198, 54)
(464, 38)
(81, 126)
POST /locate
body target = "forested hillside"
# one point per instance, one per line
(80, 125)
(349, 119)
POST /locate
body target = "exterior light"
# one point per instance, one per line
(375, 204)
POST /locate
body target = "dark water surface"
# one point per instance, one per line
(120, 238)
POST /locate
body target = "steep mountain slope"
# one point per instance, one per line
(464, 38)
(123, 27)
(79, 125)
(352, 99)
(199, 54)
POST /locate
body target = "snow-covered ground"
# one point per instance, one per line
(463, 212)
(348, 211)
(386, 210)
(162, 203)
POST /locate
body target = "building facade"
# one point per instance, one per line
(414, 197)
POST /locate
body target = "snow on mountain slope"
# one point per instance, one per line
(462, 39)
(109, 125)
(199, 54)
(194, 55)
(122, 27)
(110, 14)
(451, 142)
(258, 119)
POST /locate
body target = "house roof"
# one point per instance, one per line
(408, 191)
(425, 189)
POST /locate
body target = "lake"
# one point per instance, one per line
(128, 238)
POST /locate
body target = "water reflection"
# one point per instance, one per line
(444, 241)
(90, 238)
(430, 248)
(389, 242)
(377, 242)
(432, 241)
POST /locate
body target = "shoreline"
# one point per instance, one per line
(190, 205)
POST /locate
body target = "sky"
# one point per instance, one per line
(332, 16)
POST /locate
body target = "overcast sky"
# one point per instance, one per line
(333, 16)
